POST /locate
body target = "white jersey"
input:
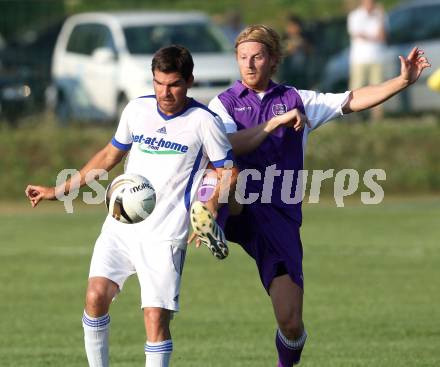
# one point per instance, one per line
(172, 152)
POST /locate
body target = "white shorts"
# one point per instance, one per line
(158, 266)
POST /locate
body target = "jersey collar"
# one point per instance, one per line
(239, 89)
(190, 103)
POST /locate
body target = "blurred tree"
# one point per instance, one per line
(17, 16)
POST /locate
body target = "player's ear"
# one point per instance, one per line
(273, 64)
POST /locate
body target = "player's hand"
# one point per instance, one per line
(37, 193)
(293, 119)
(412, 66)
(192, 238)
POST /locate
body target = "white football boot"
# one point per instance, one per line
(209, 232)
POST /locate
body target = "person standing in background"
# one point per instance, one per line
(367, 30)
(296, 49)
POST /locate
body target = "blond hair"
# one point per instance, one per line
(262, 34)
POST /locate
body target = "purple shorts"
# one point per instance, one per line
(270, 236)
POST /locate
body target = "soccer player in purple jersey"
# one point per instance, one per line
(268, 125)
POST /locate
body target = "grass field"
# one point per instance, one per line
(372, 292)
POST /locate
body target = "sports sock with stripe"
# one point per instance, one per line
(158, 354)
(96, 331)
(289, 351)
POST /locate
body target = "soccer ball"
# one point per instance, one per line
(130, 198)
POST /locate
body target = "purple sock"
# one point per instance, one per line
(289, 351)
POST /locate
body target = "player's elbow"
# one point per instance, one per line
(348, 105)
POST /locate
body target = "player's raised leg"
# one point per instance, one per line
(287, 301)
(207, 229)
(159, 345)
(96, 320)
(215, 184)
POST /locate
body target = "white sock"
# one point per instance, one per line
(96, 331)
(158, 354)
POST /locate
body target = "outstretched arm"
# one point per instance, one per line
(411, 68)
(105, 159)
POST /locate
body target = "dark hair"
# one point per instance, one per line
(174, 58)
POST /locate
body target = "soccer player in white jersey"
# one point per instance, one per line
(171, 138)
(264, 123)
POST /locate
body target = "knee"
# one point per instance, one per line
(96, 299)
(292, 328)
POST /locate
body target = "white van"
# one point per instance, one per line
(102, 60)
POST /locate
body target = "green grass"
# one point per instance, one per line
(372, 292)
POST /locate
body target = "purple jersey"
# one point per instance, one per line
(270, 233)
(283, 149)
